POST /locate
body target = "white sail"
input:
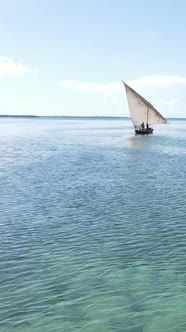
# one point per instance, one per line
(141, 110)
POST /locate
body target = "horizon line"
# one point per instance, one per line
(73, 116)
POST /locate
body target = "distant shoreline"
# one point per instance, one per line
(74, 117)
(18, 116)
(63, 116)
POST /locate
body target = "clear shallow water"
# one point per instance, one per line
(92, 226)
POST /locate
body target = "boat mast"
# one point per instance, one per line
(147, 114)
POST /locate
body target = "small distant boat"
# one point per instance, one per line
(142, 113)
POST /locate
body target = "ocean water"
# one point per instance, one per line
(92, 226)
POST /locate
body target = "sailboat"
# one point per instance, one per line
(142, 113)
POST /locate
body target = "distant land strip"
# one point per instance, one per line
(62, 116)
(99, 117)
(18, 116)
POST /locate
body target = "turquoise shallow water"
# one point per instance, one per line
(92, 226)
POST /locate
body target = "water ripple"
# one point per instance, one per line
(92, 228)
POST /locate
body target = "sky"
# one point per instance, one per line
(68, 57)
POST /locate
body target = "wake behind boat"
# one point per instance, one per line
(142, 113)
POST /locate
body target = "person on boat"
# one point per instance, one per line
(142, 126)
(147, 126)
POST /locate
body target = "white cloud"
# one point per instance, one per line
(161, 90)
(100, 99)
(158, 80)
(146, 81)
(168, 102)
(89, 87)
(10, 67)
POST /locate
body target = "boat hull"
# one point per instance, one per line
(144, 131)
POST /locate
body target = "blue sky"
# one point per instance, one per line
(69, 57)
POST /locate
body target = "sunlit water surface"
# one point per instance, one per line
(92, 226)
